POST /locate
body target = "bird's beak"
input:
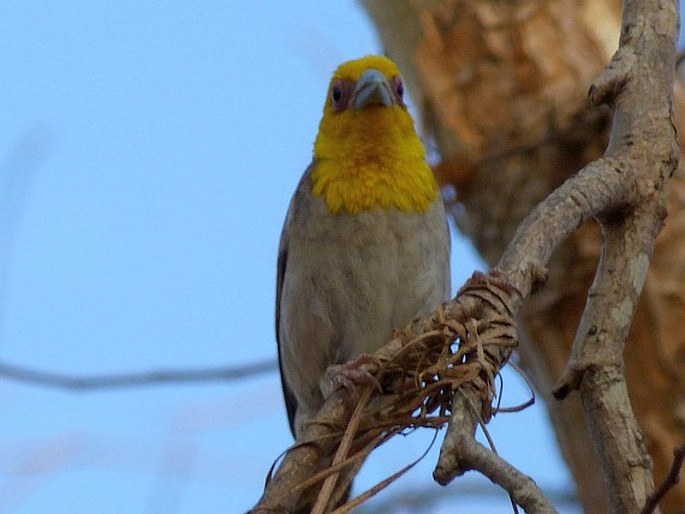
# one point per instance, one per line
(372, 88)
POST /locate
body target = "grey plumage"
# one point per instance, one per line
(345, 281)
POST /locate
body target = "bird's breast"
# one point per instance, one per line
(371, 272)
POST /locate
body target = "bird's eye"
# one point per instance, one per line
(400, 89)
(336, 94)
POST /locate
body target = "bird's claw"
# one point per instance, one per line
(349, 375)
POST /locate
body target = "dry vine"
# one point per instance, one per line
(443, 366)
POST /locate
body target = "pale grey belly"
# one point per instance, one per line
(347, 287)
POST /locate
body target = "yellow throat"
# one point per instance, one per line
(367, 154)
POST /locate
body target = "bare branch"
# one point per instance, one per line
(118, 380)
(597, 188)
(418, 499)
(461, 453)
(624, 191)
(644, 145)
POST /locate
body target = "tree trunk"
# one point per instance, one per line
(502, 90)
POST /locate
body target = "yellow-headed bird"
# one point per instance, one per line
(365, 245)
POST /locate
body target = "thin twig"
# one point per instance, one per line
(669, 482)
(118, 380)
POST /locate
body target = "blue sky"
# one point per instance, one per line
(148, 151)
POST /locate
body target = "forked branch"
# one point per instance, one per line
(441, 369)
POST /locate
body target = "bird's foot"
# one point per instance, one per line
(349, 375)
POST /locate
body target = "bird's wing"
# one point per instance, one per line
(288, 395)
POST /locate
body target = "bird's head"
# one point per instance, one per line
(364, 105)
(367, 153)
(363, 83)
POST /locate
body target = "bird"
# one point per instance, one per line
(365, 245)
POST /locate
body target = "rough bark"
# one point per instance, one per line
(502, 89)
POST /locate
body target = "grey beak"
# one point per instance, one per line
(372, 88)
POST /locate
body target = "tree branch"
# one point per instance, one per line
(463, 453)
(154, 377)
(639, 84)
(669, 482)
(624, 191)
